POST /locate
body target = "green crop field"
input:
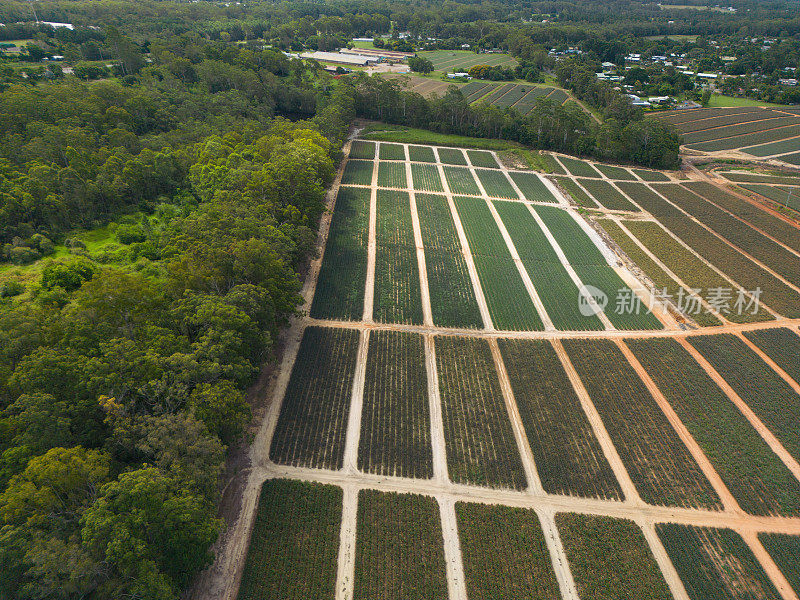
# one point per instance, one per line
(399, 549)
(479, 158)
(607, 196)
(505, 553)
(785, 551)
(496, 184)
(740, 129)
(738, 233)
(658, 462)
(761, 178)
(340, 286)
(577, 193)
(782, 345)
(426, 178)
(392, 174)
(555, 287)
(313, 419)
(579, 168)
(761, 388)
(397, 287)
(481, 449)
(396, 425)
(461, 181)
(786, 233)
(662, 280)
(705, 559)
(617, 173)
(745, 272)
(461, 60)
(421, 154)
(358, 172)
(749, 139)
(650, 175)
(452, 156)
(781, 147)
(453, 302)
(785, 196)
(533, 188)
(392, 152)
(362, 149)
(568, 456)
(753, 473)
(610, 559)
(294, 542)
(509, 302)
(693, 271)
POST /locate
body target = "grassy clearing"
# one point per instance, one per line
(408, 135)
(754, 474)
(481, 449)
(769, 396)
(659, 464)
(720, 101)
(313, 419)
(399, 548)
(396, 425)
(715, 564)
(340, 287)
(505, 553)
(568, 456)
(610, 559)
(294, 542)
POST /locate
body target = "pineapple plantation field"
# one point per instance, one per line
(505, 385)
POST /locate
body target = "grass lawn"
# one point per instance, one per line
(720, 101)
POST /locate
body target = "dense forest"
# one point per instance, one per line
(159, 205)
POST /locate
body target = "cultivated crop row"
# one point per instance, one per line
(294, 543)
(782, 345)
(421, 154)
(607, 195)
(577, 193)
(340, 287)
(496, 184)
(617, 173)
(452, 156)
(738, 233)
(461, 181)
(610, 559)
(481, 449)
(392, 174)
(453, 302)
(357, 172)
(745, 272)
(650, 175)
(426, 177)
(761, 178)
(504, 553)
(313, 420)
(750, 139)
(776, 227)
(727, 120)
(362, 149)
(715, 564)
(785, 196)
(579, 168)
(557, 290)
(661, 279)
(397, 296)
(659, 464)
(780, 147)
(769, 396)
(399, 548)
(785, 551)
(738, 130)
(392, 152)
(568, 457)
(480, 158)
(507, 298)
(533, 188)
(759, 481)
(685, 116)
(396, 426)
